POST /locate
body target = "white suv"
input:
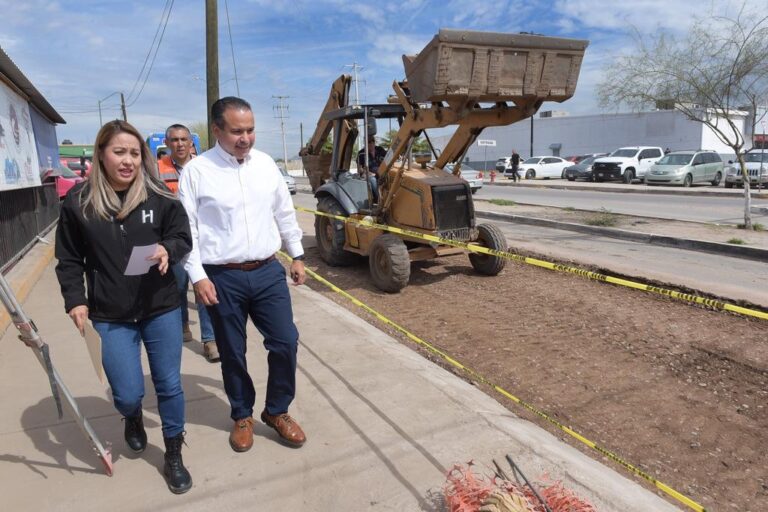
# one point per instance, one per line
(626, 164)
(756, 162)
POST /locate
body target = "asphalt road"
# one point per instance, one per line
(730, 278)
(719, 209)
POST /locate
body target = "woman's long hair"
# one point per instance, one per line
(100, 198)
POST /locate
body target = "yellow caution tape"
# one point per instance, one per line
(687, 297)
(480, 378)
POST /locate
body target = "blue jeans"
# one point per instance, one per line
(182, 282)
(263, 295)
(374, 181)
(121, 357)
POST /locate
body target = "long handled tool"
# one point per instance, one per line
(29, 335)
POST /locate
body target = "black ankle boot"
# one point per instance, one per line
(176, 475)
(135, 435)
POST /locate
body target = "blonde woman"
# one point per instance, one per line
(123, 205)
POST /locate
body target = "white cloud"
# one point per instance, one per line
(293, 48)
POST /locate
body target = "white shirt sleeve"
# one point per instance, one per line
(285, 217)
(188, 197)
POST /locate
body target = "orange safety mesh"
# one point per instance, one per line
(465, 491)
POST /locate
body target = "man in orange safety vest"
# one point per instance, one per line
(179, 139)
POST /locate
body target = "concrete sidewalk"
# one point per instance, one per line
(383, 426)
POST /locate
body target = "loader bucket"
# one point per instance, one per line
(460, 66)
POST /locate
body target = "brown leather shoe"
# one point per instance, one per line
(211, 352)
(241, 437)
(286, 427)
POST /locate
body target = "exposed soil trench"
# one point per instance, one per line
(677, 390)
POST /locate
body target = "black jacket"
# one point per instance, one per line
(100, 249)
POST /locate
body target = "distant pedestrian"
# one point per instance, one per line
(515, 162)
(667, 151)
(121, 206)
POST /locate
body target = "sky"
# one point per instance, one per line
(77, 52)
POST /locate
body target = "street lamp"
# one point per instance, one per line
(122, 103)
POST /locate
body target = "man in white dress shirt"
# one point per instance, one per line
(240, 213)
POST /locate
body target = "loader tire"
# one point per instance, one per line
(389, 263)
(490, 236)
(330, 235)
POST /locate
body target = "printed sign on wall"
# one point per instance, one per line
(19, 165)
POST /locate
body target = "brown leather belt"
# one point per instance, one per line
(248, 265)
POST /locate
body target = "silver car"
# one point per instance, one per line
(470, 175)
(289, 180)
(686, 168)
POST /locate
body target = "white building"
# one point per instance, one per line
(602, 133)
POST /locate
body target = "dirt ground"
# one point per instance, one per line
(677, 390)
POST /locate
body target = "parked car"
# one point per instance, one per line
(626, 164)
(64, 177)
(543, 167)
(289, 180)
(756, 162)
(687, 168)
(578, 158)
(470, 175)
(81, 166)
(503, 163)
(583, 169)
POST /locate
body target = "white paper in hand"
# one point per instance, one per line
(138, 263)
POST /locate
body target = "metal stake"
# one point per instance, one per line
(29, 335)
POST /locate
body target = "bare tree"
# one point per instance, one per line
(717, 67)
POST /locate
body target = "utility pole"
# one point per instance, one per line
(212, 60)
(355, 68)
(122, 106)
(102, 100)
(281, 109)
(531, 156)
(301, 135)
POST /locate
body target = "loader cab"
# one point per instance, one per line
(352, 190)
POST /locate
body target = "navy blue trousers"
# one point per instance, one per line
(263, 295)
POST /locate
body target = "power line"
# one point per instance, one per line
(232, 48)
(154, 56)
(149, 52)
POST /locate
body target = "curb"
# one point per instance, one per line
(618, 188)
(738, 251)
(638, 189)
(25, 274)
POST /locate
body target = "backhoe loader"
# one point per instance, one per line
(469, 79)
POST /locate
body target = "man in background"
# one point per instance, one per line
(376, 155)
(179, 139)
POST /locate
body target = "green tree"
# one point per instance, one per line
(716, 68)
(327, 145)
(420, 145)
(387, 138)
(201, 129)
